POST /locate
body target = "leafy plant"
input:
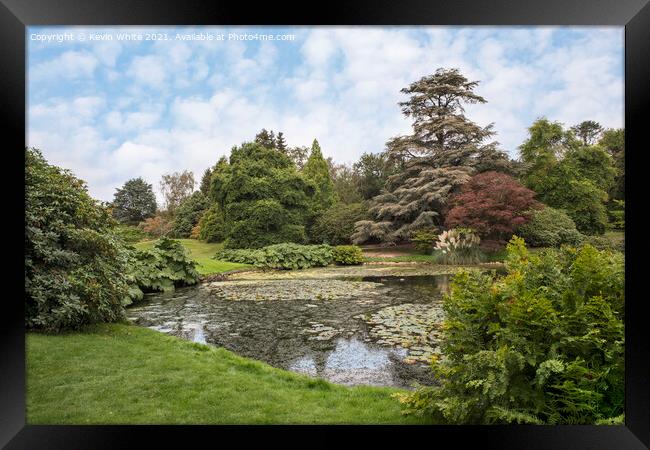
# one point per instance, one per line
(211, 225)
(163, 268)
(458, 246)
(188, 213)
(542, 344)
(158, 225)
(287, 256)
(130, 234)
(347, 255)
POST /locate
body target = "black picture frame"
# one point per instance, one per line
(634, 15)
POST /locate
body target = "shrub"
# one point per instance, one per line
(212, 225)
(162, 268)
(549, 227)
(280, 256)
(458, 246)
(347, 255)
(157, 226)
(425, 240)
(336, 225)
(74, 264)
(542, 344)
(196, 231)
(617, 214)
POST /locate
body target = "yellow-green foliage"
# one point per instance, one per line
(286, 256)
(542, 344)
(347, 255)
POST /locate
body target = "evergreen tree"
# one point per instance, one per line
(280, 142)
(134, 202)
(443, 152)
(587, 131)
(265, 138)
(204, 187)
(317, 170)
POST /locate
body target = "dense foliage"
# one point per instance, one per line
(264, 199)
(287, 256)
(335, 225)
(211, 225)
(163, 268)
(317, 171)
(347, 255)
(492, 204)
(549, 227)
(74, 264)
(130, 234)
(188, 213)
(568, 175)
(543, 344)
(134, 202)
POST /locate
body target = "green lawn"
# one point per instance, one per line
(202, 253)
(124, 374)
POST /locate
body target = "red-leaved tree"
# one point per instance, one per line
(492, 204)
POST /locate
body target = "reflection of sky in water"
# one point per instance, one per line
(351, 362)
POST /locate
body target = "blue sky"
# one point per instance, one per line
(111, 110)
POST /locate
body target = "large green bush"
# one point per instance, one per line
(347, 255)
(543, 344)
(287, 256)
(336, 225)
(549, 227)
(74, 264)
(163, 268)
(211, 225)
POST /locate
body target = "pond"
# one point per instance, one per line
(347, 327)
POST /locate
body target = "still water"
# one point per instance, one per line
(380, 330)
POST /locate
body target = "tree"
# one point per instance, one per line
(74, 264)
(587, 131)
(492, 204)
(336, 225)
(265, 139)
(176, 187)
(443, 152)
(346, 182)
(613, 141)
(280, 142)
(298, 155)
(204, 186)
(317, 170)
(373, 170)
(134, 202)
(211, 225)
(188, 214)
(263, 199)
(567, 175)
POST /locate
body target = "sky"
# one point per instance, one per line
(176, 98)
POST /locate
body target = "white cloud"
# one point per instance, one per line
(70, 64)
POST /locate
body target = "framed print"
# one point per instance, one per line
(353, 218)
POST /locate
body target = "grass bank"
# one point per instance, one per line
(202, 253)
(124, 374)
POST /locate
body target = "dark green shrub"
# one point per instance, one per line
(542, 345)
(74, 264)
(162, 268)
(616, 214)
(336, 225)
(211, 225)
(188, 213)
(287, 256)
(424, 240)
(549, 227)
(347, 255)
